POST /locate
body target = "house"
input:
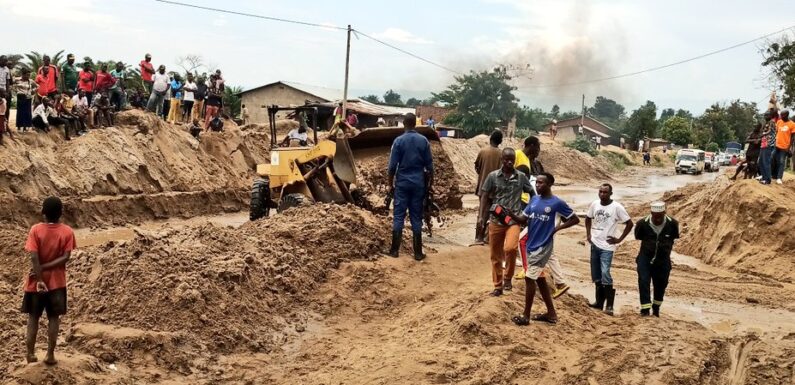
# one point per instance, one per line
(569, 129)
(284, 93)
(367, 113)
(438, 113)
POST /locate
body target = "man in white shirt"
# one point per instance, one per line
(160, 87)
(187, 98)
(297, 137)
(603, 217)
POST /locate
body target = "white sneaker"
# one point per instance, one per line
(778, 181)
(759, 177)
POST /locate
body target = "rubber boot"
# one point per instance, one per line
(394, 250)
(418, 255)
(655, 309)
(610, 296)
(600, 297)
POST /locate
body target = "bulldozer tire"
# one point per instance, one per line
(260, 198)
(292, 200)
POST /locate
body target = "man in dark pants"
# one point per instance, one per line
(656, 234)
(409, 162)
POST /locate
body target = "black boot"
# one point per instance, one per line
(418, 255)
(610, 296)
(397, 236)
(655, 309)
(600, 297)
(644, 312)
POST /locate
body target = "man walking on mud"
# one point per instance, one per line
(487, 161)
(50, 245)
(540, 217)
(410, 179)
(656, 234)
(603, 217)
(502, 191)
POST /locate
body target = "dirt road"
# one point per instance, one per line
(396, 321)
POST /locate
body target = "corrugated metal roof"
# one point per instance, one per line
(323, 94)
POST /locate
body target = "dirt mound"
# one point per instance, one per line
(566, 164)
(141, 155)
(372, 164)
(742, 225)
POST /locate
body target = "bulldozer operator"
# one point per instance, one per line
(410, 179)
(297, 137)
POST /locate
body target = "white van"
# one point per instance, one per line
(689, 161)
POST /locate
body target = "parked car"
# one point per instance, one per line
(711, 162)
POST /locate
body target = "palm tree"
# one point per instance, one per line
(35, 60)
(232, 100)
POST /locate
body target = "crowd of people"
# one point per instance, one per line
(80, 98)
(519, 216)
(770, 145)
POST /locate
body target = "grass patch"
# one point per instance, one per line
(616, 160)
(582, 145)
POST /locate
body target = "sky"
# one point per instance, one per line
(562, 41)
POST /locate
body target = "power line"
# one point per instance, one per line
(407, 52)
(252, 15)
(664, 66)
(418, 57)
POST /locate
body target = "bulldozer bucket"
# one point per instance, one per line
(344, 165)
(384, 136)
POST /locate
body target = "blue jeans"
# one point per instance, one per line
(408, 197)
(765, 157)
(155, 103)
(600, 265)
(781, 161)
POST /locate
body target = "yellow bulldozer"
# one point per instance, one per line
(323, 172)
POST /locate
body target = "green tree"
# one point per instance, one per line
(666, 114)
(371, 98)
(642, 122)
(608, 111)
(741, 117)
(779, 59)
(712, 147)
(677, 130)
(554, 112)
(532, 119)
(413, 102)
(568, 115)
(713, 126)
(232, 100)
(684, 114)
(393, 98)
(481, 101)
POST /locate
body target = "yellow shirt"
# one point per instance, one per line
(522, 160)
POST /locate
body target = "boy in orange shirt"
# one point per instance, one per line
(50, 245)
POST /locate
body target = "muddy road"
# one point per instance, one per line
(396, 321)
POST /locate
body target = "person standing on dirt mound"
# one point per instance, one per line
(603, 217)
(50, 245)
(488, 160)
(502, 190)
(410, 179)
(160, 86)
(656, 234)
(540, 217)
(785, 132)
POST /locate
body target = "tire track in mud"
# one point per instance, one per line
(739, 353)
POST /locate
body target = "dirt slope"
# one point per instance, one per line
(566, 164)
(104, 175)
(741, 225)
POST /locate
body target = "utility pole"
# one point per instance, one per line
(582, 116)
(347, 65)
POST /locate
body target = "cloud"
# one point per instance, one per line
(401, 36)
(220, 21)
(74, 11)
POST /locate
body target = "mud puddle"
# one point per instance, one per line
(92, 237)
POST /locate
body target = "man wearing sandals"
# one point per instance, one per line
(540, 216)
(503, 187)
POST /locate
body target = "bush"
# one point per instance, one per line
(617, 161)
(712, 147)
(582, 144)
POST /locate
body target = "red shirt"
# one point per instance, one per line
(146, 76)
(46, 84)
(50, 241)
(52, 76)
(86, 81)
(104, 81)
